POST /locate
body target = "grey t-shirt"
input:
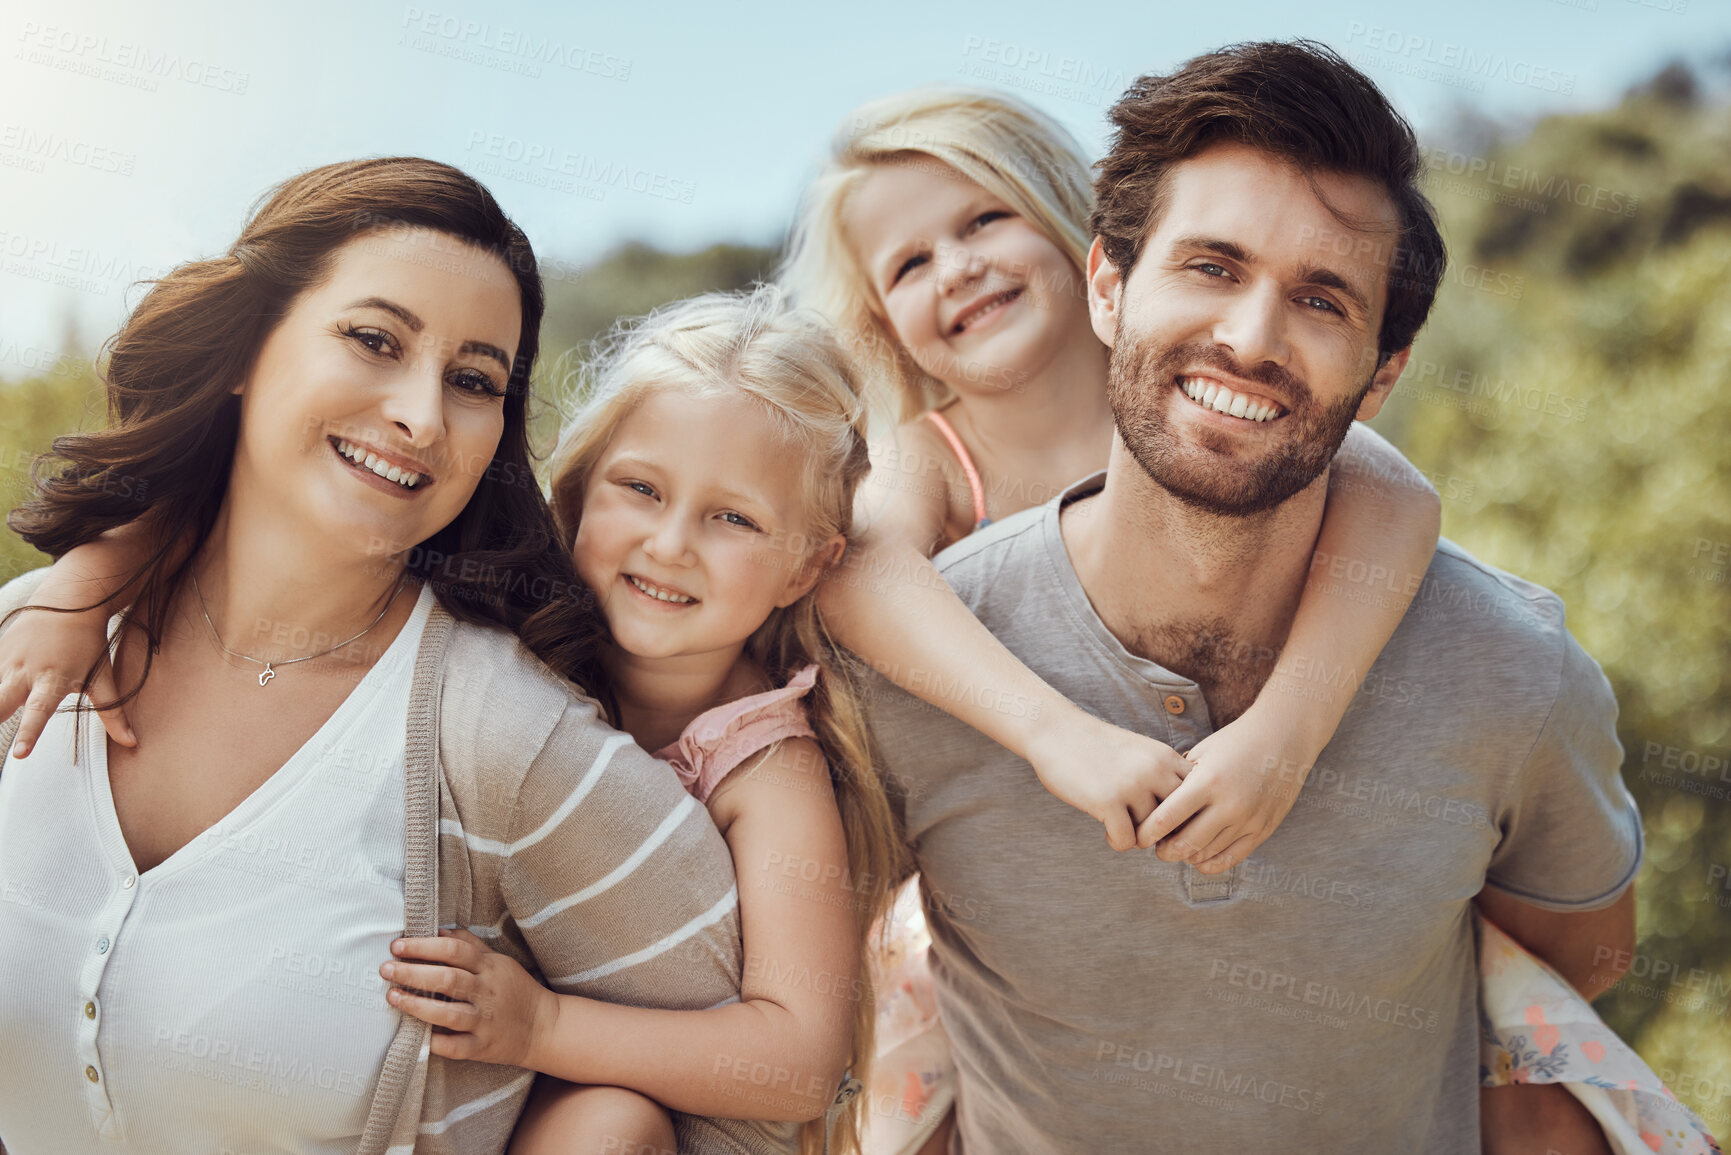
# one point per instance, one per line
(1322, 996)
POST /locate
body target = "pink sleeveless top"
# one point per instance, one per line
(717, 740)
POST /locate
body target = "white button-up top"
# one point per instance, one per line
(227, 1000)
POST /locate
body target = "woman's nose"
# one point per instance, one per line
(415, 405)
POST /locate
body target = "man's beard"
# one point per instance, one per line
(1208, 476)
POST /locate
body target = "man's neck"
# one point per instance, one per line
(1207, 596)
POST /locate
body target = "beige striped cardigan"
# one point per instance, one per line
(554, 837)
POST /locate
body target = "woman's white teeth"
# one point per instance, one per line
(1213, 395)
(403, 477)
(658, 593)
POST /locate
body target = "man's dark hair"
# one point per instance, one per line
(1300, 101)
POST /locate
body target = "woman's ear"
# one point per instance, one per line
(817, 563)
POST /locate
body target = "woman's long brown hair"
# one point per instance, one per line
(173, 420)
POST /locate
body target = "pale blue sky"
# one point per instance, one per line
(134, 136)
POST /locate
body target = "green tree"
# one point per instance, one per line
(1571, 398)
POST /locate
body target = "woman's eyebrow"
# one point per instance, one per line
(402, 314)
(486, 350)
(415, 324)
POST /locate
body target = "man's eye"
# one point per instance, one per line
(1211, 269)
(1320, 304)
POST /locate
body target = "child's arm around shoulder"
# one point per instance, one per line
(887, 603)
(1378, 535)
(45, 656)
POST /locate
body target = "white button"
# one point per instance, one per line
(128, 881)
(101, 946)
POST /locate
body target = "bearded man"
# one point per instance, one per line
(1259, 229)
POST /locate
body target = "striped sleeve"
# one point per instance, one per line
(616, 878)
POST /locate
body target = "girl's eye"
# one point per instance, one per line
(375, 340)
(908, 266)
(988, 217)
(738, 519)
(475, 381)
(642, 487)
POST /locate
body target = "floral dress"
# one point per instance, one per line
(1534, 1028)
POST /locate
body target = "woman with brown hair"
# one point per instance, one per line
(338, 655)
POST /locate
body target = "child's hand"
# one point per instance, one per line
(498, 1012)
(1113, 775)
(1244, 782)
(43, 658)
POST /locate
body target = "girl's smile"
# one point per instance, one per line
(972, 289)
(688, 526)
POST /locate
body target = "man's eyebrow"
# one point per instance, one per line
(1231, 250)
(415, 325)
(1309, 274)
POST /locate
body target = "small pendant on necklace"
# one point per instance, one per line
(264, 678)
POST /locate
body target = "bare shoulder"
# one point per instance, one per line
(785, 780)
(917, 486)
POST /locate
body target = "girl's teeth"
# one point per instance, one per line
(661, 595)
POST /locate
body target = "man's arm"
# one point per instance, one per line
(1591, 949)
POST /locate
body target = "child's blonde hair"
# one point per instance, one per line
(1010, 149)
(752, 342)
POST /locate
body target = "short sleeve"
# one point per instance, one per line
(1571, 833)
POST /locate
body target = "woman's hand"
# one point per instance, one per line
(1244, 781)
(496, 1013)
(1110, 774)
(44, 657)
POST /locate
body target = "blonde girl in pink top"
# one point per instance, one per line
(707, 484)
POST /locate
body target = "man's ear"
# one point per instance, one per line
(818, 564)
(1105, 293)
(1383, 384)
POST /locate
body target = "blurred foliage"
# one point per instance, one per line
(66, 399)
(1579, 436)
(1570, 398)
(584, 302)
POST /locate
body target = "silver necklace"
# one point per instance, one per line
(264, 679)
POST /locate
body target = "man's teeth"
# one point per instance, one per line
(658, 593)
(366, 460)
(1213, 395)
